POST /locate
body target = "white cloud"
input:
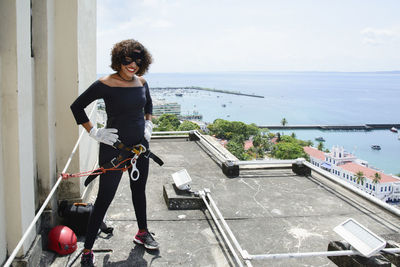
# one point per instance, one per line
(223, 35)
(374, 36)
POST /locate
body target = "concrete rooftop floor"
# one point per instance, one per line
(268, 210)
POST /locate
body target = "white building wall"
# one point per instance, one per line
(37, 127)
(17, 127)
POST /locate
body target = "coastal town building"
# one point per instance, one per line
(162, 107)
(345, 165)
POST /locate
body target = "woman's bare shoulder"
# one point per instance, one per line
(142, 80)
(112, 81)
(107, 80)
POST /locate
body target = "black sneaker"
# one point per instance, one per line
(146, 239)
(87, 259)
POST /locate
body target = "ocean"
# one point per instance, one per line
(315, 98)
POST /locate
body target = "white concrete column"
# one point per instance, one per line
(3, 242)
(16, 120)
(75, 70)
(87, 75)
(44, 78)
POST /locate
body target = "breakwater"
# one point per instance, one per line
(363, 127)
(207, 89)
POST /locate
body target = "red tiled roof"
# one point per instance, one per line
(248, 144)
(315, 153)
(368, 172)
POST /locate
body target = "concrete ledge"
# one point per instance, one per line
(193, 136)
(32, 258)
(301, 169)
(230, 169)
(181, 200)
(355, 261)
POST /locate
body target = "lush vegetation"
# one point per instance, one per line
(237, 133)
(287, 147)
(170, 122)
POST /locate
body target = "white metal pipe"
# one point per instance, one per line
(233, 238)
(53, 190)
(171, 132)
(168, 136)
(221, 230)
(264, 162)
(313, 254)
(353, 189)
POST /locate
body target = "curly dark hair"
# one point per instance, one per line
(124, 49)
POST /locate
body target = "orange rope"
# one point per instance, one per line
(100, 170)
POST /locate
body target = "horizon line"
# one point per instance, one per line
(273, 71)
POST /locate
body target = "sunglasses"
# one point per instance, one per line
(136, 57)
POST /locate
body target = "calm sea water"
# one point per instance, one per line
(301, 98)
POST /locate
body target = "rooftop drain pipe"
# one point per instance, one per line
(248, 257)
(53, 190)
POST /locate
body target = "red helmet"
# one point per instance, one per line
(62, 240)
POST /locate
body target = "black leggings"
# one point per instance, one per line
(108, 185)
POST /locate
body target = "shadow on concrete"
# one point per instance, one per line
(135, 256)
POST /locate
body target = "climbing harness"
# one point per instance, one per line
(126, 159)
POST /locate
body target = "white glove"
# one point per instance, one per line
(104, 135)
(148, 130)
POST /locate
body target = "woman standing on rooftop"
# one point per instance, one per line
(129, 108)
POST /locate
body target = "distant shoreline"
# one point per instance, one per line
(365, 127)
(206, 89)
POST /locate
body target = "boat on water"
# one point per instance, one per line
(394, 129)
(179, 94)
(376, 147)
(223, 105)
(320, 139)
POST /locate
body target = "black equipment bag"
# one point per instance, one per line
(76, 216)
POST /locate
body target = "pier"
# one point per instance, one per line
(363, 127)
(207, 89)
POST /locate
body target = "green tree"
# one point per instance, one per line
(377, 178)
(359, 177)
(167, 122)
(321, 146)
(261, 144)
(188, 126)
(288, 150)
(227, 129)
(236, 148)
(284, 122)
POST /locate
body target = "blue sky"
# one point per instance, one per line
(264, 35)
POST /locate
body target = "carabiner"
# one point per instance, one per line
(134, 175)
